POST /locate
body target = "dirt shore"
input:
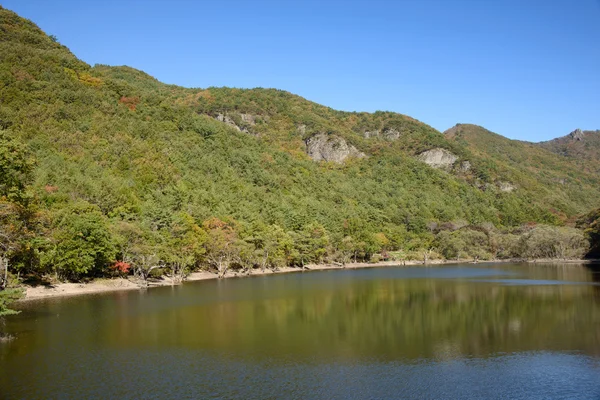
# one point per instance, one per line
(113, 284)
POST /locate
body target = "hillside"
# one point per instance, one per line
(583, 147)
(561, 182)
(119, 167)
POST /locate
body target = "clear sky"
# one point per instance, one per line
(526, 69)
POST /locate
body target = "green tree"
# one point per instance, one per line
(590, 223)
(81, 242)
(16, 166)
(311, 244)
(220, 245)
(8, 296)
(17, 218)
(347, 247)
(553, 242)
(183, 246)
(272, 245)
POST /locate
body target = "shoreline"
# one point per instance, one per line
(105, 285)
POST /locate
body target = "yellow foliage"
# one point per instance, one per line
(90, 80)
(83, 77)
(71, 72)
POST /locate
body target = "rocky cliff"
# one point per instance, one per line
(438, 158)
(323, 147)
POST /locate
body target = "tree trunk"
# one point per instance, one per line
(222, 268)
(4, 278)
(264, 263)
(177, 273)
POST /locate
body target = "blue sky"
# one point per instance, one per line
(525, 69)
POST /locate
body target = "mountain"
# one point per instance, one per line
(561, 182)
(583, 147)
(119, 166)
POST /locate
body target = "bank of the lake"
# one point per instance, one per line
(114, 284)
(117, 284)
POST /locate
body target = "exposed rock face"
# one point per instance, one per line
(438, 158)
(388, 134)
(561, 181)
(498, 185)
(465, 166)
(577, 135)
(246, 118)
(301, 129)
(506, 186)
(391, 134)
(322, 147)
(229, 121)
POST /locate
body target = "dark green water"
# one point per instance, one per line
(484, 331)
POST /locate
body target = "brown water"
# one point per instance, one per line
(470, 331)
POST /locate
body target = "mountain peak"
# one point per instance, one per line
(577, 134)
(452, 132)
(579, 145)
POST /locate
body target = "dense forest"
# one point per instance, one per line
(105, 171)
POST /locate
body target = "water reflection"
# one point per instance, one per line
(404, 315)
(321, 316)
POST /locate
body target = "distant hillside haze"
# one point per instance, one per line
(114, 160)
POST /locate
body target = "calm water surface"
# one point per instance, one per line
(472, 331)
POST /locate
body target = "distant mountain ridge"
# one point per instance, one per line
(582, 148)
(578, 145)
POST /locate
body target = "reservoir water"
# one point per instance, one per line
(506, 331)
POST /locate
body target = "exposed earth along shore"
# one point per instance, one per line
(115, 284)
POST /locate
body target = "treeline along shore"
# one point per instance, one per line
(106, 172)
(102, 285)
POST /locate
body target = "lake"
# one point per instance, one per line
(510, 331)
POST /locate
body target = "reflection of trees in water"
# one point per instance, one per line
(595, 277)
(345, 319)
(388, 319)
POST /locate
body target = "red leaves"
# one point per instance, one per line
(130, 102)
(122, 267)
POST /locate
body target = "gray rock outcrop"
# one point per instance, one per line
(245, 118)
(248, 118)
(391, 134)
(323, 147)
(388, 134)
(577, 135)
(227, 119)
(438, 158)
(506, 186)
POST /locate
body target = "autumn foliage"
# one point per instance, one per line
(130, 102)
(122, 267)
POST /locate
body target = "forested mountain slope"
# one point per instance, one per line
(582, 147)
(559, 181)
(120, 167)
